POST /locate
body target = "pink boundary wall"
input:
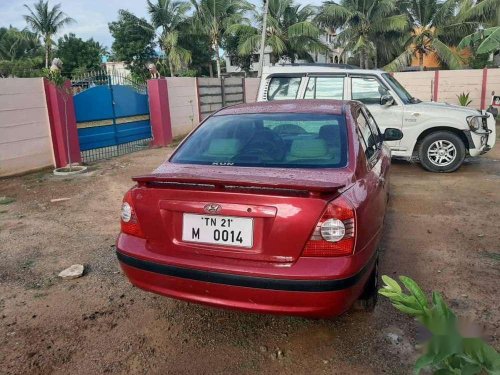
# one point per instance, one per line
(159, 112)
(56, 111)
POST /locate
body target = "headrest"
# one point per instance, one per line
(308, 148)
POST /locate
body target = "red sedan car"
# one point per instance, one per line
(267, 207)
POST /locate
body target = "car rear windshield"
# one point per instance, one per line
(282, 140)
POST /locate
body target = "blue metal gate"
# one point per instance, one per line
(112, 115)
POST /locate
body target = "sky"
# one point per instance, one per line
(92, 16)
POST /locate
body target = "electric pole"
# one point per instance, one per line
(263, 38)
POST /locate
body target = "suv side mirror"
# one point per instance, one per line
(386, 100)
(392, 134)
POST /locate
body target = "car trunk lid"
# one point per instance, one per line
(256, 214)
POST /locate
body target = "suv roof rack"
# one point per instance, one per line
(339, 66)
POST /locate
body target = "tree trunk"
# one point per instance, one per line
(362, 59)
(218, 59)
(47, 47)
(171, 68)
(367, 59)
(421, 61)
(211, 70)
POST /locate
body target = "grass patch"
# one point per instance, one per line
(6, 200)
(494, 256)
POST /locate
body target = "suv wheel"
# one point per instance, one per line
(442, 151)
(369, 297)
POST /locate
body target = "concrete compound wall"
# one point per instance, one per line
(251, 89)
(25, 138)
(446, 85)
(183, 101)
(419, 84)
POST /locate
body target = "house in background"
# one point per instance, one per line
(117, 68)
(332, 56)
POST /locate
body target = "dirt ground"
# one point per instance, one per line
(442, 230)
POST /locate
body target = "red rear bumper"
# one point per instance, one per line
(313, 297)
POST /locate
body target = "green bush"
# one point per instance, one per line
(448, 352)
(463, 99)
(23, 68)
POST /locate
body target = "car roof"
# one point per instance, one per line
(317, 68)
(323, 106)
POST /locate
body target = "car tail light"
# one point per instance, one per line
(129, 223)
(334, 232)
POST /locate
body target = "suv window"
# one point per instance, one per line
(283, 140)
(325, 88)
(367, 90)
(282, 88)
(367, 138)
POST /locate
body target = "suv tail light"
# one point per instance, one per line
(334, 232)
(129, 223)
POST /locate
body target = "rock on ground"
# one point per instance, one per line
(73, 272)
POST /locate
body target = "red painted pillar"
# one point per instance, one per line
(483, 88)
(436, 86)
(63, 130)
(159, 112)
(197, 83)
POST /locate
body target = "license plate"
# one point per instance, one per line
(218, 230)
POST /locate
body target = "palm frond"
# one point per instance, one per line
(399, 62)
(394, 23)
(333, 15)
(484, 9)
(450, 57)
(305, 28)
(249, 45)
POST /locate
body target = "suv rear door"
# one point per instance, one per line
(368, 89)
(331, 86)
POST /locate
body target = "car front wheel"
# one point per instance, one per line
(442, 151)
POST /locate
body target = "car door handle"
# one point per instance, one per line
(416, 114)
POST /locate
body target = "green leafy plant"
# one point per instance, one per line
(448, 352)
(464, 99)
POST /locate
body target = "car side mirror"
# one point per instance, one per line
(392, 134)
(386, 100)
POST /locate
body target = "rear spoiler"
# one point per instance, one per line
(204, 183)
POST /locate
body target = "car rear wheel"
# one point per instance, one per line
(442, 151)
(368, 299)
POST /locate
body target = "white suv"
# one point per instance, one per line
(439, 135)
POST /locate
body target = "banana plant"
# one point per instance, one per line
(486, 40)
(448, 352)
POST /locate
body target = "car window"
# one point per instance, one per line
(286, 140)
(367, 90)
(367, 138)
(282, 88)
(325, 88)
(374, 127)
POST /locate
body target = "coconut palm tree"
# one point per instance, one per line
(168, 16)
(290, 33)
(18, 44)
(215, 17)
(362, 23)
(46, 22)
(436, 28)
